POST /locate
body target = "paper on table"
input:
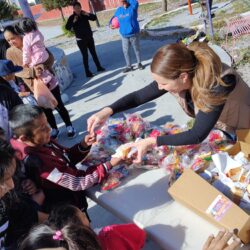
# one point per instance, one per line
(125, 150)
(224, 162)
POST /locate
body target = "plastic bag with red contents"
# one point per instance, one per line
(172, 129)
(137, 125)
(113, 127)
(114, 178)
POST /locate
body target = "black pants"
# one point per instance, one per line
(60, 108)
(85, 45)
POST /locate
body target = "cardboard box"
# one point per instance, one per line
(198, 195)
(242, 144)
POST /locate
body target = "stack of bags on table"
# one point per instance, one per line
(116, 134)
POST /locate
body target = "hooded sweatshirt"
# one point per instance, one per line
(127, 17)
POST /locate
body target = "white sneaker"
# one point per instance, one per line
(71, 132)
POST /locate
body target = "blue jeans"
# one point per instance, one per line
(126, 44)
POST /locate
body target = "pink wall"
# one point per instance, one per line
(41, 14)
(110, 4)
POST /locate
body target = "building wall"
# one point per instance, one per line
(108, 4)
(41, 14)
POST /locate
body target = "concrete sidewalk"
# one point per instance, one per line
(89, 95)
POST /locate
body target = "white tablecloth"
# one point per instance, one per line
(143, 199)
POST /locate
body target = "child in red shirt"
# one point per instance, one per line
(50, 165)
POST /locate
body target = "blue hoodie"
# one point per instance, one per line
(127, 17)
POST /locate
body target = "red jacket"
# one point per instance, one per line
(122, 237)
(57, 166)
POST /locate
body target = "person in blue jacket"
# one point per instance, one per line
(127, 15)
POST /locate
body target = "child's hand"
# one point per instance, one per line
(115, 161)
(22, 88)
(25, 66)
(38, 197)
(29, 187)
(88, 140)
(38, 71)
(24, 93)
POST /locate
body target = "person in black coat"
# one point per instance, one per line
(79, 23)
(8, 97)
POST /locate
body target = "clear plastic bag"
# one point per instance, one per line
(43, 95)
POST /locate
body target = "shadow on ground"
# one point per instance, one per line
(176, 233)
(84, 92)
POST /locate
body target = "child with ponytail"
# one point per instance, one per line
(112, 237)
(70, 237)
(68, 229)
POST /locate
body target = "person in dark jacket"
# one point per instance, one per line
(51, 165)
(8, 97)
(79, 23)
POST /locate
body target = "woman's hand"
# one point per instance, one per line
(220, 242)
(98, 119)
(24, 93)
(142, 147)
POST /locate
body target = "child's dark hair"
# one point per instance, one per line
(76, 4)
(26, 25)
(70, 237)
(62, 215)
(7, 155)
(21, 119)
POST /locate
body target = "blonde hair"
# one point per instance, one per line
(203, 67)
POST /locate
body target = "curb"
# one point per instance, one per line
(162, 31)
(159, 33)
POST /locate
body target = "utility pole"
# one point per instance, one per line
(190, 7)
(93, 11)
(25, 8)
(164, 5)
(210, 19)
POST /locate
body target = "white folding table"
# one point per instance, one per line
(142, 198)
